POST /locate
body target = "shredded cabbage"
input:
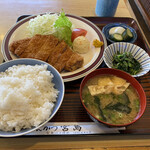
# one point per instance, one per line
(57, 24)
(42, 24)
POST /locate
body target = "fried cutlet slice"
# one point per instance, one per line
(61, 62)
(74, 62)
(56, 53)
(22, 47)
(34, 46)
(47, 48)
(15, 46)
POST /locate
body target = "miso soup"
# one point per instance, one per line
(111, 99)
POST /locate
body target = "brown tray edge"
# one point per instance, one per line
(143, 12)
(116, 18)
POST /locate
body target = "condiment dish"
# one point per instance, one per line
(108, 27)
(122, 47)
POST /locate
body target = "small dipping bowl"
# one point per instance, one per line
(106, 29)
(137, 52)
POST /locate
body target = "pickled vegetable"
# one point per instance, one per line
(127, 35)
(116, 37)
(126, 62)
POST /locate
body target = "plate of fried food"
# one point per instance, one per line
(71, 44)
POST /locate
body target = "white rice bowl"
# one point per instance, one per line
(27, 97)
(31, 92)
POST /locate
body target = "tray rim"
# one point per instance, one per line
(94, 17)
(140, 21)
(143, 12)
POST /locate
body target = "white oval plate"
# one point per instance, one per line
(92, 59)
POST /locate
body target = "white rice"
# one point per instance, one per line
(27, 97)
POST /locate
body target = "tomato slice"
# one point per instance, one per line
(78, 32)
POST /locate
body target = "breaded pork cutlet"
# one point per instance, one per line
(74, 62)
(56, 53)
(34, 46)
(69, 61)
(47, 48)
(17, 47)
(61, 62)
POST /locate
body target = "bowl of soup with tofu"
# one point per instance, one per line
(112, 97)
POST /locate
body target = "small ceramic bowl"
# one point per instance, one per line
(138, 53)
(123, 75)
(106, 29)
(57, 80)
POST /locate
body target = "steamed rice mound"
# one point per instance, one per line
(27, 97)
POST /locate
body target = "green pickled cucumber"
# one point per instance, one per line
(127, 35)
(116, 37)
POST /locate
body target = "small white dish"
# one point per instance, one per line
(138, 53)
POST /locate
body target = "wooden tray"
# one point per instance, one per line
(139, 17)
(72, 109)
(144, 7)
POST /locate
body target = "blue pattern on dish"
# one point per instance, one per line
(137, 52)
